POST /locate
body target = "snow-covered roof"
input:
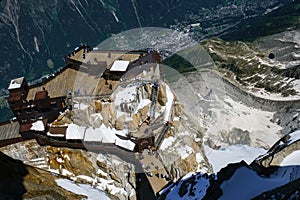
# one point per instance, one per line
(16, 83)
(102, 134)
(126, 144)
(75, 132)
(93, 135)
(120, 66)
(38, 126)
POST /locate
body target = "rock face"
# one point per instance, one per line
(19, 181)
(143, 112)
(267, 177)
(183, 154)
(64, 158)
(280, 150)
(248, 64)
(236, 136)
(111, 175)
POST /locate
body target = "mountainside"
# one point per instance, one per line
(232, 132)
(267, 67)
(20, 181)
(254, 181)
(275, 20)
(36, 35)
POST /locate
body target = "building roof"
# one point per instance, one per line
(15, 96)
(9, 130)
(16, 83)
(120, 65)
(126, 144)
(41, 95)
(75, 132)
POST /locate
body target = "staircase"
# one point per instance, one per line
(161, 137)
(153, 100)
(38, 162)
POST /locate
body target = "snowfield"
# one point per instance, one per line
(232, 154)
(82, 189)
(262, 131)
(292, 159)
(248, 184)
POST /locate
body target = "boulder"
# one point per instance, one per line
(112, 113)
(162, 96)
(105, 114)
(98, 106)
(147, 89)
(144, 111)
(95, 120)
(133, 125)
(120, 122)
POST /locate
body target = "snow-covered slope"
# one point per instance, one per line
(241, 180)
(235, 182)
(222, 157)
(248, 184)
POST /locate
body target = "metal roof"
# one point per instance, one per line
(120, 66)
(16, 83)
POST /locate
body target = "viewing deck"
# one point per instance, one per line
(9, 133)
(155, 171)
(96, 57)
(81, 83)
(9, 130)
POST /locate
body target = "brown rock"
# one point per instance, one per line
(101, 165)
(78, 163)
(162, 96)
(178, 109)
(188, 164)
(133, 125)
(112, 113)
(98, 106)
(105, 115)
(120, 122)
(19, 181)
(147, 88)
(144, 111)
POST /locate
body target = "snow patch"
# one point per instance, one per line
(291, 159)
(38, 126)
(169, 103)
(82, 189)
(167, 142)
(185, 151)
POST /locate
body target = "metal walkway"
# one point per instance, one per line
(154, 100)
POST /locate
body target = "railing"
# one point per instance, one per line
(161, 137)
